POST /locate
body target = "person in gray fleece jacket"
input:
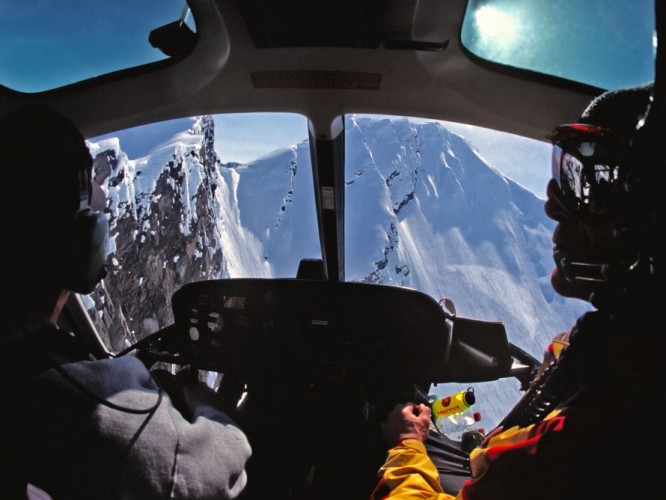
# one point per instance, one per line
(76, 427)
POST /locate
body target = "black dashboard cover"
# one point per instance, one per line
(317, 329)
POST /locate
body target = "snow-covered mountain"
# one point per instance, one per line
(429, 213)
(423, 210)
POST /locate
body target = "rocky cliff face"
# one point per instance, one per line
(163, 232)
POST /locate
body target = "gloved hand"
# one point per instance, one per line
(407, 421)
(186, 391)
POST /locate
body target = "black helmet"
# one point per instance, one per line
(611, 161)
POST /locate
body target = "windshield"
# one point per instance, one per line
(429, 205)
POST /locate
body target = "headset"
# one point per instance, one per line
(83, 262)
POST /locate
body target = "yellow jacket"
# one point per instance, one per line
(408, 472)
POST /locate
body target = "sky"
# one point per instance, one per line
(526, 161)
(606, 44)
(50, 43)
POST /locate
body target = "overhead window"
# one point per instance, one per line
(595, 42)
(51, 43)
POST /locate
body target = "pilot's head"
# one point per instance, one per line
(52, 238)
(598, 197)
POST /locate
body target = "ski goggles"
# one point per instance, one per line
(589, 164)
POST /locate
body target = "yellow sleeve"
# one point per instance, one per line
(409, 473)
(479, 459)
